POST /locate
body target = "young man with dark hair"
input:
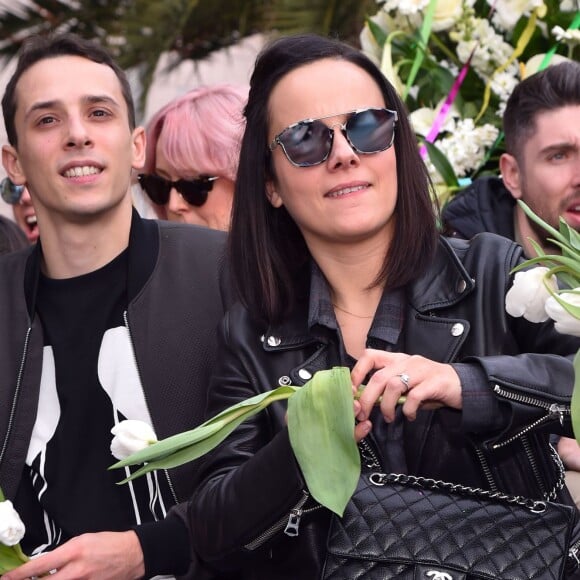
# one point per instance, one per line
(541, 167)
(108, 317)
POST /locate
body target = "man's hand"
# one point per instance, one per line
(569, 452)
(100, 556)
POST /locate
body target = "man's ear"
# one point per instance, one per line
(511, 175)
(12, 165)
(273, 196)
(138, 145)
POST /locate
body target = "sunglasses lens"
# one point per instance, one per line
(307, 143)
(194, 191)
(156, 188)
(372, 130)
(10, 193)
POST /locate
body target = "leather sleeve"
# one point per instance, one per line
(530, 361)
(252, 479)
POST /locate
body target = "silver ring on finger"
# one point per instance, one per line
(405, 380)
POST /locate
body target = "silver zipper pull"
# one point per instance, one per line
(293, 524)
(559, 411)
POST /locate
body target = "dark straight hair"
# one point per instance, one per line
(37, 48)
(267, 250)
(552, 88)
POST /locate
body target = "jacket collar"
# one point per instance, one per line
(443, 284)
(143, 255)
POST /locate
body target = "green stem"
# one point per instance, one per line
(443, 48)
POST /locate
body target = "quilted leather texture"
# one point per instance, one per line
(408, 533)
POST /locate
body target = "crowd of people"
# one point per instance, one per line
(308, 240)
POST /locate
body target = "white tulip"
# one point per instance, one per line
(447, 13)
(564, 322)
(11, 527)
(131, 436)
(527, 297)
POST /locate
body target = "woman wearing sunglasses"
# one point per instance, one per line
(24, 213)
(337, 261)
(192, 156)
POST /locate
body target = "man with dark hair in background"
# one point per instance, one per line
(541, 167)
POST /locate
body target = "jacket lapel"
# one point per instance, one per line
(427, 331)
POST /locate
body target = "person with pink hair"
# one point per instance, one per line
(192, 153)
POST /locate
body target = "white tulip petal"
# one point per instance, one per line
(11, 527)
(528, 294)
(131, 436)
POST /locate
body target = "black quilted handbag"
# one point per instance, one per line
(413, 528)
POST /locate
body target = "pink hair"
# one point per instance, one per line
(200, 132)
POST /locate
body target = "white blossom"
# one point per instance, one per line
(564, 322)
(533, 64)
(528, 294)
(131, 436)
(569, 5)
(447, 13)
(571, 37)
(503, 84)
(490, 50)
(406, 7)
(422, 120)
(465, 147)
(508, 12)
(11, 527)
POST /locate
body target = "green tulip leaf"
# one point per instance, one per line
(185, 447)
(203, 446)
(538, 220)
(575, 403)
(321, 428)
(377, 32)
(442, 165)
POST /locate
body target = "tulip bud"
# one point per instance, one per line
(131, 436)
(564, 322)
(527, 297)
(11, 527)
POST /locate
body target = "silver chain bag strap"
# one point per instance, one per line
(412, 528)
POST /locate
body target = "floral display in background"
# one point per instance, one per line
(455, 63)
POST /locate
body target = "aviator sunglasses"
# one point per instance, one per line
(309, 142)
(10, 192)
(193, 191)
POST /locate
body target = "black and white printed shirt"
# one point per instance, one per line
(90, 382)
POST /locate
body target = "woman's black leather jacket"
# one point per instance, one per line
(252, 508)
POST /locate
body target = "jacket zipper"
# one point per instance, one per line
(369, 456)
(126, 320)
(16, 394)
(290, 523)
(486, 470)
(554, 411)
(534, 465)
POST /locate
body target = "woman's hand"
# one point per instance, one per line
(424, 383)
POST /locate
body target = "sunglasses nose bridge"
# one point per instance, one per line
(343, 127)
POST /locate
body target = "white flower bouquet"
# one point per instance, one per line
(455, 63)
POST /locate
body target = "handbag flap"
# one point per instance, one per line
(397, 523)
